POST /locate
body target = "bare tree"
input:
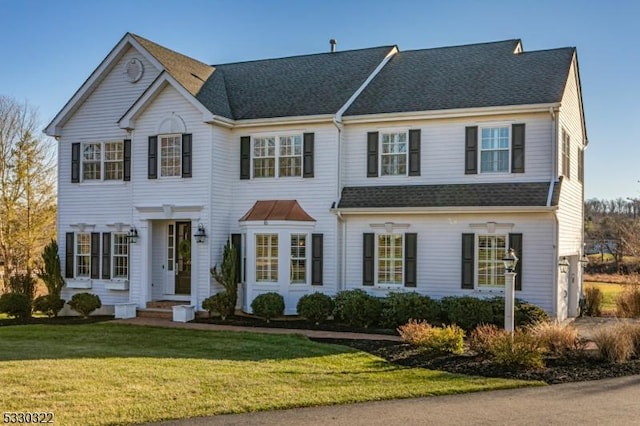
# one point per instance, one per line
(27, 187)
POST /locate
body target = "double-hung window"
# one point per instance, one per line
(298, 258)
(120, 256)
(390, 259)
(170, 155)
(566, 154)
(393, 154)
(277, 156)
(266, 257)
(102, 161)
(491, 249)
(494, 150)
(83, 255)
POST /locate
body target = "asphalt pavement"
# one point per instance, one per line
(600, 402)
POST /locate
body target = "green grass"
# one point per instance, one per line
(117, 374)
(609, 292)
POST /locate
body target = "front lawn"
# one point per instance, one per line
(120, 374)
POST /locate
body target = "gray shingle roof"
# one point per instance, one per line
(478, 75)
(530, 194)
(294, 86)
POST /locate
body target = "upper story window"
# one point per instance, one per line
(580, 165)
(277, 156)
(102, 161)
(170, 155)
(566, 154)
(494, 150)
(393, 154)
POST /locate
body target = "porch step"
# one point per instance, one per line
(165, 304)
(160, 313)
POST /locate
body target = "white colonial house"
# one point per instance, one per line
(372, 169)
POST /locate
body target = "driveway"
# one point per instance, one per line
(601, 402)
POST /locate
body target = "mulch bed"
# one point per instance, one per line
(577, 369)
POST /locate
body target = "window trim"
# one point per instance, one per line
(477, 285)
(383, 132)
(76, 255)
(115, 277)
(179, 157)
(377, 282)
(277, 155)
(507, 126)
(565, 153)
(306, 259)
(102, 162)
(270, 257)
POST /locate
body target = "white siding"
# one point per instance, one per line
(440, 247)
(443, 151)
(101, 203)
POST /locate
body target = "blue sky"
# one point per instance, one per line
(49, 47)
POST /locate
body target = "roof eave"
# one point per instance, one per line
(443, 210)
(275, 121)
(450, 113)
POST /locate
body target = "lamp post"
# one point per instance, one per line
(510, 261)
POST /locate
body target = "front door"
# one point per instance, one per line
(178, 272)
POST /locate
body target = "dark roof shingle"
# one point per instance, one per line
(529, 194)
(478, 75)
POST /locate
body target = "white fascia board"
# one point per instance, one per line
(276, 121)
(54, 128)
(443, 210)
(164, 79)
(354, 96)
(452, 113)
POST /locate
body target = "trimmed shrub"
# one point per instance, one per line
(49, 305)
(466, 311)
(85, 303)
(316, 307)
(434, 340)
(481, 338)
(227, 275)
(399, 308)
(527, 314)
(23, 284)
(628, 302)
(520, 350)
(16, 305)
(615, 344)
(220, 303)
(357, 308)
(593, 298)
(268, 305)
(557, 339)
(51, 275)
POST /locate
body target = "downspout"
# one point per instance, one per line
(556, 223)
(343, 247)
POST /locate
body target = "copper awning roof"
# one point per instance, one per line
(277, 210)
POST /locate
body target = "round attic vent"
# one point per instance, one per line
(133, 70)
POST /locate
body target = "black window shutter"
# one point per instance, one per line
(236, 241)
(307, 163)
(245, 157)
(126, 160)
(317, 256)
(471, 151)
(75, 162)
(106, 255)
(368, 258)
(515, 242)
(468, 260)
(372, 154)
(186, 155)
(414, 152)
(410, 259)
(153, 157)
(68, 255)
(517, 148)
(95, 255)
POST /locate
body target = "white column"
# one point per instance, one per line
(196, 275)
(509, 300)
(145, 246)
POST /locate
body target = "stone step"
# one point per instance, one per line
(159, 313)
(165, 304)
